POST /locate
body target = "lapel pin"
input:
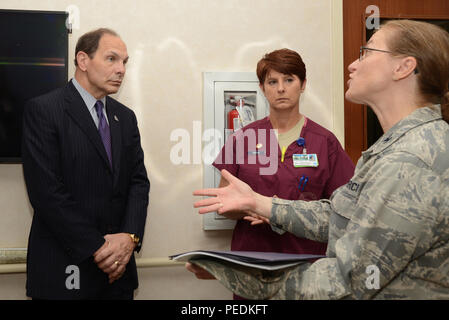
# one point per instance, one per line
(115, 118)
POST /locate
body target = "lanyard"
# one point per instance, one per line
(300, 142)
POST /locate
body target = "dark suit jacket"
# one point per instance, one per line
(77, 198)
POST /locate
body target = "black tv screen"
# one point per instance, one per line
(33, 61)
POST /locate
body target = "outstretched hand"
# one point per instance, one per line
(256, 219)
(237, 195)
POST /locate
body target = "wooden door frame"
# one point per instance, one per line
(354, 35)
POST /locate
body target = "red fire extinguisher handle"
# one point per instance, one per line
(231, 116)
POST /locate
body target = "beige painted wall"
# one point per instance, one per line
(170, 44)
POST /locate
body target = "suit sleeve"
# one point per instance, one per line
(53, 205)
(139, 188)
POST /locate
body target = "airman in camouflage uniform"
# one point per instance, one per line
(392, 217)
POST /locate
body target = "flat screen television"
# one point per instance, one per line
(33, 61)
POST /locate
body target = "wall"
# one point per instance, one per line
(170, 44)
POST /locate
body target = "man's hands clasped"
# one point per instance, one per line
(114, 255)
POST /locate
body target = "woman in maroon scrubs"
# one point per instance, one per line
(307, 163)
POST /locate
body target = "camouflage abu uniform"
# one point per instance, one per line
(392, 216)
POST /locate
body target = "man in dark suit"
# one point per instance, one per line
(86, 180)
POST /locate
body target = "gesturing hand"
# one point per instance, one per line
(237, 195)
(256, 219)
(114, 255)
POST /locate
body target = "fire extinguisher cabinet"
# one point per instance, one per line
(225, 94)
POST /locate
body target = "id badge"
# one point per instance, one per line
(305, 160)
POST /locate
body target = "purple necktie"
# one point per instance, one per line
(103, 128)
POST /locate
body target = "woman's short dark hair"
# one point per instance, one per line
(88, 42)
(285, 61)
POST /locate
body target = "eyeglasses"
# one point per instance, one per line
(363, 51)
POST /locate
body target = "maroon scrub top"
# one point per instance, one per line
(334, 170)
